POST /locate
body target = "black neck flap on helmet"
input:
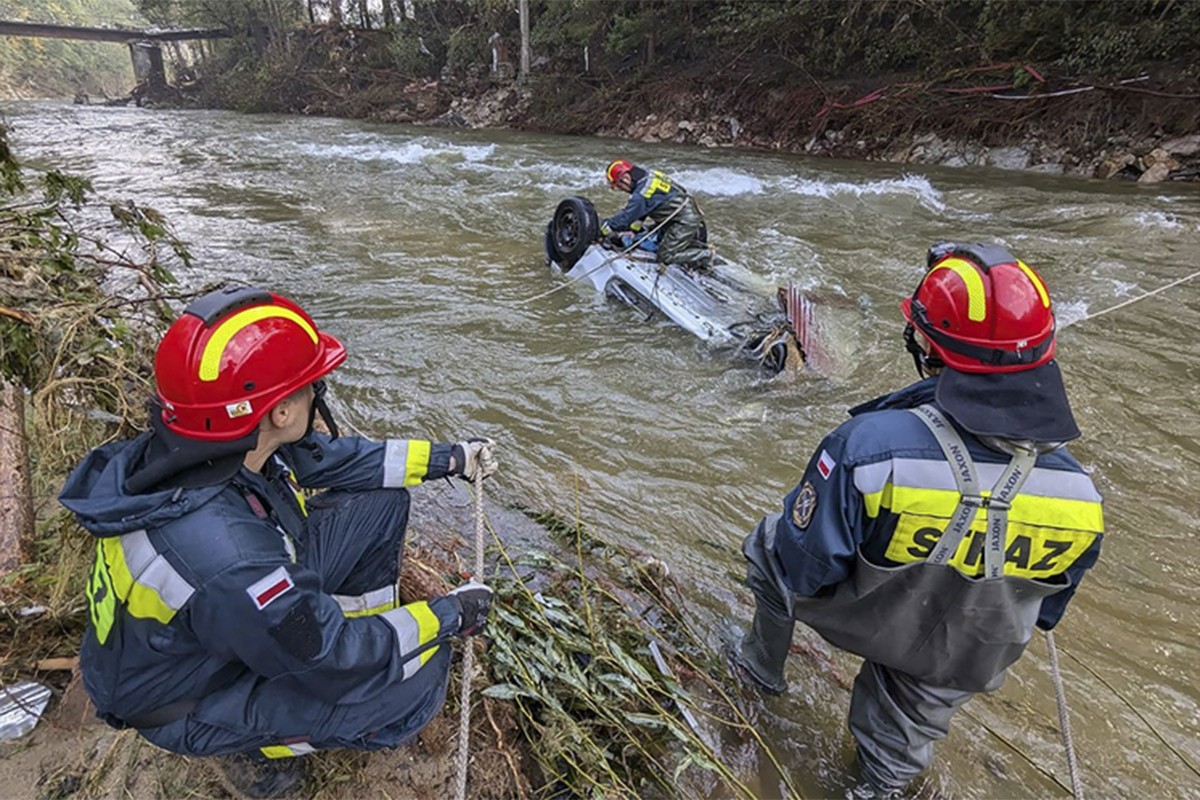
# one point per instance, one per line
(173, 461)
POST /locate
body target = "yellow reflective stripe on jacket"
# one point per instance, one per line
(287, 750)
(1029, 552)
(102, 601)
(364, 605)
(415, 625)
(142, 579)
(658, 183)
(405, 462)
(1053, 520)
(428, 623)
(1054, 512)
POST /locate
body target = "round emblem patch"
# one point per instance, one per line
(805, 505)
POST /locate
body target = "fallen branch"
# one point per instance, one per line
(19, 316)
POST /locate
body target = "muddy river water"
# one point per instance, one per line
(419, 246)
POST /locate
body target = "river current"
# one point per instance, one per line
(418, 247)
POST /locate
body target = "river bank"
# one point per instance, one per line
(1145, 129)
(1142, 126)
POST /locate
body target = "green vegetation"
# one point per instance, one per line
(616, 695)
(82, 304)
(32, 67)
(823, 39)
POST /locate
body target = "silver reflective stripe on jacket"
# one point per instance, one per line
(416, 625)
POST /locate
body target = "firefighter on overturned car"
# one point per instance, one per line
(934, 529)
(231, 615)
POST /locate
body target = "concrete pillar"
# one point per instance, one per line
(148, 63)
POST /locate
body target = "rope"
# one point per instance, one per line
(464, 724)
(606, 261)
(1064, 719)
(1133, 300)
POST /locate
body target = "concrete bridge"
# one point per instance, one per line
(145, 47)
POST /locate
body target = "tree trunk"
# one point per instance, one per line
(523, 8)
(16, 492)
(389, 14)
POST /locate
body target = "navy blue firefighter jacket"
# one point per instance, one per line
(189, 584)
(654, 195)
(880, 481)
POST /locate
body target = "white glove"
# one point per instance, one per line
(473, 458)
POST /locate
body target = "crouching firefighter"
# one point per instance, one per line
(230, 616)
(934, 529)
(667, 207)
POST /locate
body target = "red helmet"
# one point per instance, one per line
(232, 356)
(982, 310)
(616, 169)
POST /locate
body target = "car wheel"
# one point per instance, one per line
(572, 230)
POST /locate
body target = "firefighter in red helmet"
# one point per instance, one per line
(667, 207)
(229, 614)
(934, 529)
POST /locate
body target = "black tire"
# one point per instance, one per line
(572, 230)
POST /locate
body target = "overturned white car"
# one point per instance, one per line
(726, 306)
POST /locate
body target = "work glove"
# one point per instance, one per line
(473, 601)
(473, 458)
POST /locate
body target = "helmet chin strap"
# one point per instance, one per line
(923, 361)
(319, 406)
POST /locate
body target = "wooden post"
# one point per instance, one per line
(16, 492)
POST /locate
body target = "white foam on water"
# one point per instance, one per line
(720, 181)
(727, 182)
(413, 152)
(916, 186)
(1070, 312)
(1157, 219)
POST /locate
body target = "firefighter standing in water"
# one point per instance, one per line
(653, 196)
(933, 530)
(232, 617)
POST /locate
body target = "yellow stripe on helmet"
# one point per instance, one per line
(210, 360)
(976, 295)
(1037, 283)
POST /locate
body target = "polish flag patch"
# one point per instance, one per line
(825, 464)
(271, 588)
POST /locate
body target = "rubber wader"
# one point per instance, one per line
(764, 650)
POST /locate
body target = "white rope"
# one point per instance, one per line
(1064, 719)
(606, 261)
(464, 724)
(1133, 300)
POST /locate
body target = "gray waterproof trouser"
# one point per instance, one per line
(679, 242)
(895, 718)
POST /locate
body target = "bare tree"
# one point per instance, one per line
(523, 10)
(16, 493)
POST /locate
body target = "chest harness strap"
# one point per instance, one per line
(971, 497)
